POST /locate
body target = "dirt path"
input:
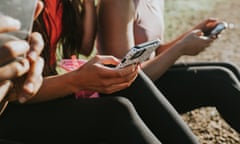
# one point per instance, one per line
(206, 123)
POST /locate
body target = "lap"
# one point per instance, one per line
(192, 85)
(65, 120)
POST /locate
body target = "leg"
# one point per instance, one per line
(192, 86)
(157, 113)
(227, 65)
(8, 142)
(111, 120)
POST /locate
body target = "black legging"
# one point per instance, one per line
(157, 113)
(190, 86)
(71, 121)
(114, 120)
(105, 119)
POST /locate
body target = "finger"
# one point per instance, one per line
(197, 32)
(116, 87)
(14, 69)
(39, 9)
(126, 81)
(107, 60)
(13, 49)
(123, 79)
(36, 46)
(118, 73)
(211, 22)
(35, 72)
(123, 72)
(33, 81)
(4, 88)
(8, 24)
(5, 37)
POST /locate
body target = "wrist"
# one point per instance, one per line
(73, 82)
(179, 48)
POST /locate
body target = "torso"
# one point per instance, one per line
(149, 20)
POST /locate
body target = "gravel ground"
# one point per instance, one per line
(206, 122)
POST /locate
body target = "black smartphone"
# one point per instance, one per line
(139, 53)
(23, 10)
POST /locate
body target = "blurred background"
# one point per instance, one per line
(181, 15)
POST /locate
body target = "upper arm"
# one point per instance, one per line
(89, 27)
(115, 33)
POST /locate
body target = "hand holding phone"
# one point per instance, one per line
(218, 29)
(139, 53)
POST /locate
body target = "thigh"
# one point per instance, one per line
(2, 141)
(69, 121)
(191, 86)
(228, 65)
(155, 110)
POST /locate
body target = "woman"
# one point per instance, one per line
(186, 86)
(108, 119)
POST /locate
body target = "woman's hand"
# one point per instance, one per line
(39, 9)
(207, 25)
(12, 62)
(96, 76)
(27, 86)
(194, 42)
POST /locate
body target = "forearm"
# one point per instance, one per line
(170, 44)
(54, 87)
(158, 65)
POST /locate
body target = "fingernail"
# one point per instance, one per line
(33, 55)
(29, 87)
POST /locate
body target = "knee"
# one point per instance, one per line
(225, 74)
(121, 109)
(123, 104)
(219, 73)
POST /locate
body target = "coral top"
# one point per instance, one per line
(52, 16)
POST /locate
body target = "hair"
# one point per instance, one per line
(71, 35)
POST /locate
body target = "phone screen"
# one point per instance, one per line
(23, 10)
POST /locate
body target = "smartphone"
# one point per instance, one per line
(23, 10)
(139, 53)
(218, 29)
